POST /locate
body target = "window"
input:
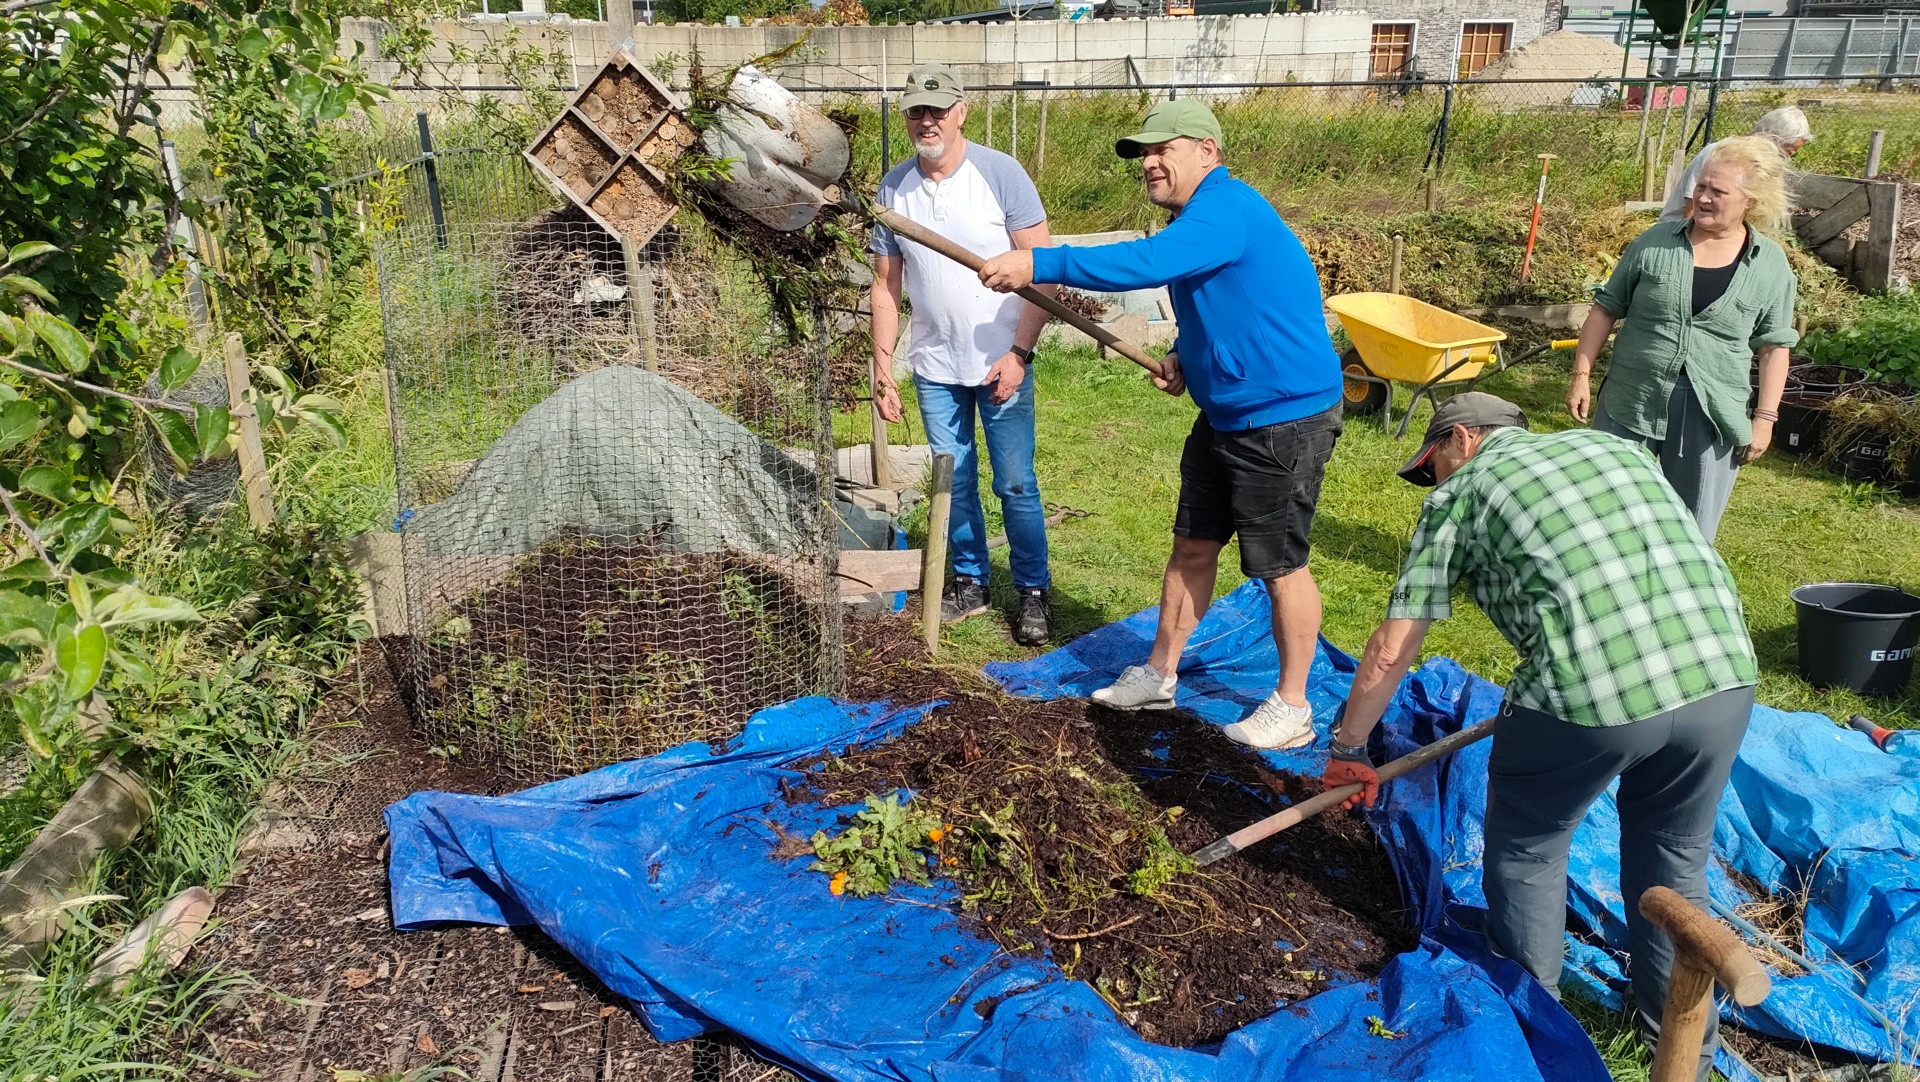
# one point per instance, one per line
(1392, 49)
(1480, 43)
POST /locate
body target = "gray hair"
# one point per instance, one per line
(1787, 124)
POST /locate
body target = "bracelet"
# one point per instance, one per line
(1352, 753)
(1765, 415)
(1025, 354)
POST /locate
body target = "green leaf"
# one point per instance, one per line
(20, 283)
(80, 525)
(327, 424)
(210, 427)
(53, 482)
(305, 91)
(143, 608)
(20, 612)
(19, 420)
(177, 367)
(177, 435)
(81, 654)
(27, 249)
(67, 344)
(253, 44)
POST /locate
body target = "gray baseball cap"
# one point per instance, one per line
(932, 85)
(1172, 120)
(1474, 409)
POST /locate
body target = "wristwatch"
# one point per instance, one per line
(1022, 352)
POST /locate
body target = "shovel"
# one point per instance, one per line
(786, 157)
(1312, 806)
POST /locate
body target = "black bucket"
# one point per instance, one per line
(1803, 420)
(1857, 635)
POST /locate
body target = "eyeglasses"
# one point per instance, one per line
(920, 111)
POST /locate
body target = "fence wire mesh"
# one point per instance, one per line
(613, 476)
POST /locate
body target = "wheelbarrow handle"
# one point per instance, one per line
(919, 234)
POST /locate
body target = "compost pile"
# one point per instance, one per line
(1067, 827)
(589, 652)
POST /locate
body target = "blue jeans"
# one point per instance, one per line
(948, 412)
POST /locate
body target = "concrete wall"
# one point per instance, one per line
(1188, 51)
(1437, 41)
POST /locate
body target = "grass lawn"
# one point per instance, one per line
(1109, 443)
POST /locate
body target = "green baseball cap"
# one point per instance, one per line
(932, 85)
(1171, 120)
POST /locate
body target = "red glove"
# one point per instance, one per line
(1345, 772)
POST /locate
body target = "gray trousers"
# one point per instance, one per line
(1544, 773)
(1696, 461)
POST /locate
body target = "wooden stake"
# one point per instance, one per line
(1874, 144)
(933, 573)
(640, 303)
(1393, 274)
(253, 459)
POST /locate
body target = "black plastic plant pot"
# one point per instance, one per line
(1823, 378)
(1857, 635)
(1803, 420)
(1866, 457)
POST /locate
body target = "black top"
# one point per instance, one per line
(1710, 282)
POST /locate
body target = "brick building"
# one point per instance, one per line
(1437, 38)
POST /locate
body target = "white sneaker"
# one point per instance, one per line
(1139, 688)
(1274, 725)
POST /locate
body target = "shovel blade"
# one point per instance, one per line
(787, 155)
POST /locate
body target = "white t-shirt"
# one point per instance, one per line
(959, 327)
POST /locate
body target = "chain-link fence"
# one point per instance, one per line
(613, 471)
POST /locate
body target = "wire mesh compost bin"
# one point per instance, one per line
(613, 521)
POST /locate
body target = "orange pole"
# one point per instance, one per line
(1539, 197)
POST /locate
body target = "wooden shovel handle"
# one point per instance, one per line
(1312, 806)
(919, 234)
(1707, 943)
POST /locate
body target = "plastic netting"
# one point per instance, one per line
(611, 475)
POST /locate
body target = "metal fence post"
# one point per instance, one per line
(1846, 47)
(199, 315)
(1784, 67)
(1040, 144)
(886, 137)
(1439, 152)
(433, 180)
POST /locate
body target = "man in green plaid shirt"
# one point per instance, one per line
(1634, 664)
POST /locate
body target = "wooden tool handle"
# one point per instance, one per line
(1312, 806)
(919, 234)
(1710, 945)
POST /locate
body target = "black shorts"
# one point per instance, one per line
(1260, 483)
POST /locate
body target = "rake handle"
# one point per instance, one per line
(920, 234)
(1312, 806)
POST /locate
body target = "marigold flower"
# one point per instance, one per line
(838, 884)
(936, 834)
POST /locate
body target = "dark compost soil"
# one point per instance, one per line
(587, 653)
(1096, 795)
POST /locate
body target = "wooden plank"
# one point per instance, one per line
(1873, 260)
(1817, 191)
(879, 571)
(1835, 219)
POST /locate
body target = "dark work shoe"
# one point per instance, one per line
(964, 598)
(1033, 620)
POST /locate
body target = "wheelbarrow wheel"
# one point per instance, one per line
(1359, 397)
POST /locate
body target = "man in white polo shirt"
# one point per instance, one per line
(970, 347)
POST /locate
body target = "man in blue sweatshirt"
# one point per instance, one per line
(1254, 353)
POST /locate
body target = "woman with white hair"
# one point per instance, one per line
(1697, 300)
(1788, 128)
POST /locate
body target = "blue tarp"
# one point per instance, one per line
(1809, 801)
(658, 875)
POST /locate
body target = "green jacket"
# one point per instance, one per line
(1652, 290)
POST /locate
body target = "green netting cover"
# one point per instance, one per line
(622, 455)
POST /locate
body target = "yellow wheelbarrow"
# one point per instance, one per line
(1397, 339)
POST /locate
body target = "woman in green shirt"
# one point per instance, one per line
(1697, 300)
